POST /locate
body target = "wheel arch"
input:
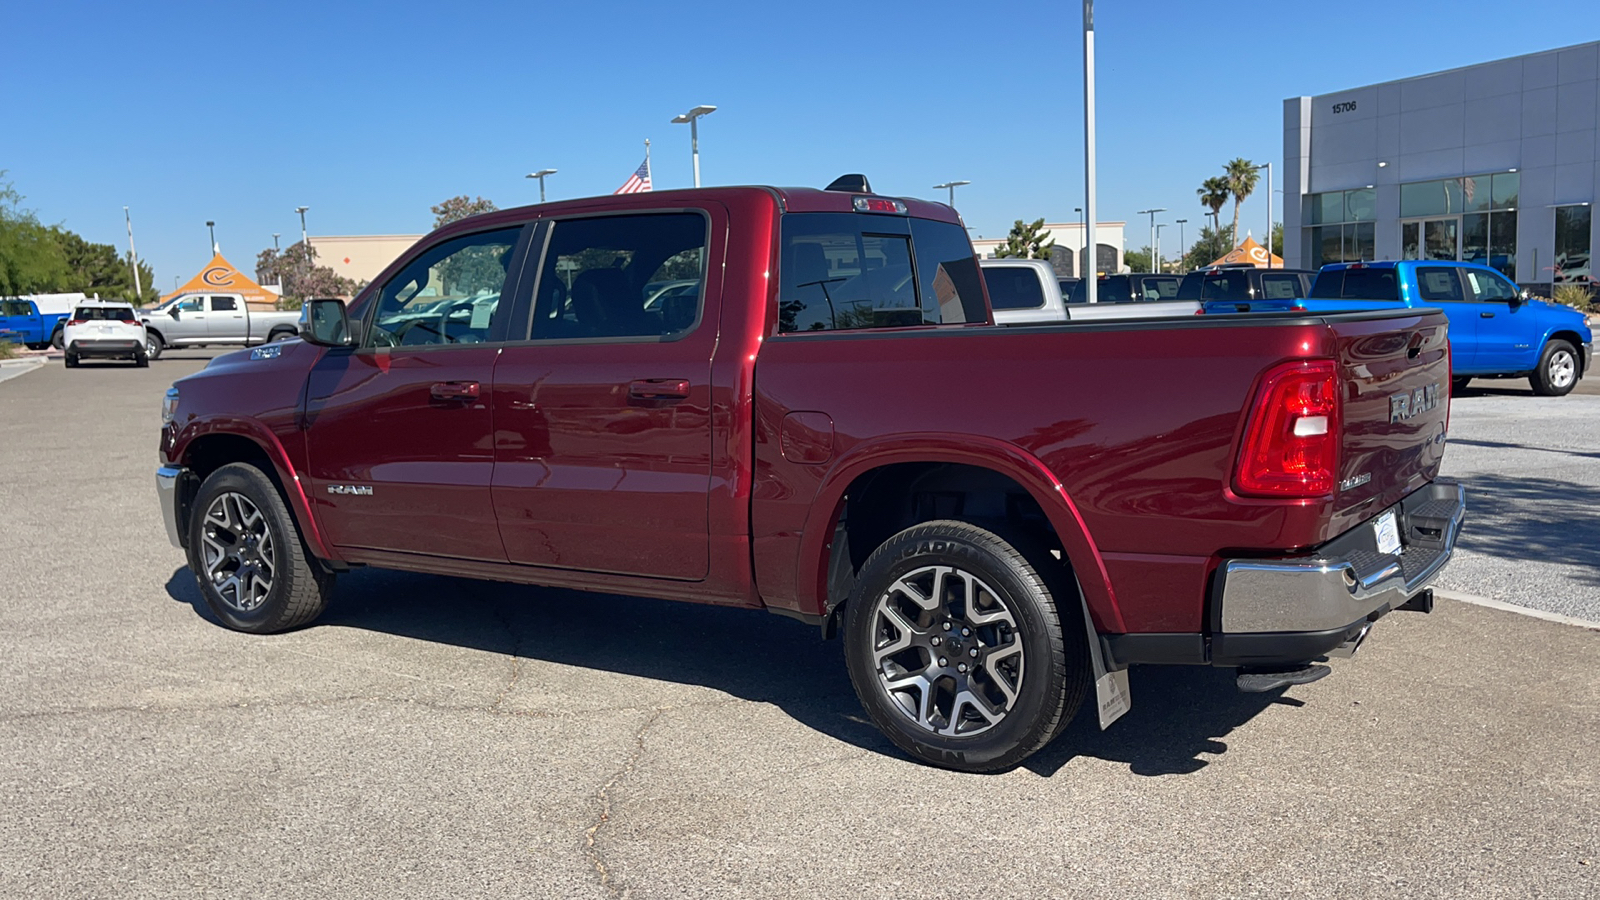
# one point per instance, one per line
(245, 441)
(1571, 337)
(912, 478)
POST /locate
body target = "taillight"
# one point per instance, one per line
(74, 322)
(1291, 446)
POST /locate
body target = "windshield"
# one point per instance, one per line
(1013, 287)
(104, 314)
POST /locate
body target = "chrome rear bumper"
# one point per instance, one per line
(1347, 580)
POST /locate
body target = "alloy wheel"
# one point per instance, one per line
(239, 553)
(947, 651)
(1562, 369)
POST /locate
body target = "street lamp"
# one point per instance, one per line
(1091, 292)
(952, 185)
(1152, 213)
(277, 261)
(1155, 251)
(305, 242)
(1182, 249)
(1268, 238)
(133, 259)
(692, 117)
(541, 176)
(212, 227)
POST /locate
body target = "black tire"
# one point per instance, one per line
(1051, 673)
(72, 360)
(1557, 372)
(1457, 385)
(58, 339)
(299, 587)
(141, 360)
(278, 336)
(153, 345)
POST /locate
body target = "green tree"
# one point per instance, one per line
(1242, 180)
(459, 207)
(1137, 260)
(31, 259)
(1209, 247)
(101, 269)
(1277, 238)
(296, 268)
(1214, 193)
(1026, 241)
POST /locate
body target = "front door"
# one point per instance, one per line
(1431, 238)
(19, 322)
(1506, 335)
(603, 425)
(225, 324)
(189, 322)
(399, 430)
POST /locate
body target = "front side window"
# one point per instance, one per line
(192, 304)
(1489, 287)
(449, 294)
(1437, 284)
(222, 304)
(15, 308)
(636, 276)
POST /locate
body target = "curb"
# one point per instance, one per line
(1521, 610)
(11, 368)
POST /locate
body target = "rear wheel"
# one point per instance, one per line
(141, 360)
(1557, 372)
(58, 340)
(153, 345)
(1457, 385)
(72, 360)
(278, 336)
(245, 550)
(956, 648)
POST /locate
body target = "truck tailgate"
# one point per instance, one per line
(1396, 377)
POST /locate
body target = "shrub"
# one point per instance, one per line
(1577, 296)
(9, 349)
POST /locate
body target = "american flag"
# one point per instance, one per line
(639, 181)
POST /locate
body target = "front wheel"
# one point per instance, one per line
(153, 345)
(1557, 372)
(956, 647)
(245, 550)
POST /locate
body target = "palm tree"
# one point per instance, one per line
(1242, 180)
(1214, 193)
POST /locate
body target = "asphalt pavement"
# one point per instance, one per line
(436, 737)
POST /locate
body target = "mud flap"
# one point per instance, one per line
(1112, 696)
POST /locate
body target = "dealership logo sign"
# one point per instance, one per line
(218, 276)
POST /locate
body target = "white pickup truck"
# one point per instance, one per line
(199, 319)
(1026, 292)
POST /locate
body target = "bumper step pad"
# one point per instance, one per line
(1255, 681)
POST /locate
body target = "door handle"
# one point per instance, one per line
(1484, 315)
(455, 390)
(659, 389)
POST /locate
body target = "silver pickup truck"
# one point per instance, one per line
(200, 319)
(1026, 292)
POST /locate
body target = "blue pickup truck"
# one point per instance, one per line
(22, 323)
(1496, 330)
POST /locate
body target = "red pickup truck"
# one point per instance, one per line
(795, 400)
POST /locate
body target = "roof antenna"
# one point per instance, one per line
(854, 183)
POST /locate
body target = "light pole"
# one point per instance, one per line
(541, 176)
(952, 185)
(212, 227)
(305, 242)
(1182, 249)
(692, 117)
(133, 259)
(1090, 292)
(1155, 251)
(1079, 262)
(1152, 213)
(1268, 167)
(277, 261)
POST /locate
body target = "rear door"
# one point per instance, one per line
(603, 402)
(400, 430)
(226, 323)
(1506, 329)
(1441, 286)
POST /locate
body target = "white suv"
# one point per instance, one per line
(103, 329)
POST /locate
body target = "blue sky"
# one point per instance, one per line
(369, 114)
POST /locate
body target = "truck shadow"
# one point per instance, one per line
(1179, 714)
(1530, 519)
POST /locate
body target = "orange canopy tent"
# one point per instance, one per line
(219, 276)
(1252, 253)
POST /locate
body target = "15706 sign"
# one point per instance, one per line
(1347, 106)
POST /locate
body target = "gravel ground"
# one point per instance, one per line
(439, 737)
(1532, 470)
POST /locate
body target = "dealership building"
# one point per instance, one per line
(1493, 163)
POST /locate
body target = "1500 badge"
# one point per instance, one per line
(1419, 401)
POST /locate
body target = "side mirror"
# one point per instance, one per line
(325, 322)
(174, 312)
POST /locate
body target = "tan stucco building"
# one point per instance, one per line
(360, 257)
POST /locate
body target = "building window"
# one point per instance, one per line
(1342, 228)
(1573, 237)
(1473, 218)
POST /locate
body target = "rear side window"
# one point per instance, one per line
(222, 304)
(1013, 287)
(1280, 287)
(1436, 284)
(622, 277)
(839, 272)
(103, 314)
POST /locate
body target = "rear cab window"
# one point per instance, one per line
(1013, 287)
(847, 271)
(1157, 289)
(1282, 286)
(1356, 284)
